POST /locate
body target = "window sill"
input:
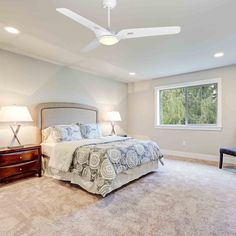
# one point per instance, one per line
(189, 127)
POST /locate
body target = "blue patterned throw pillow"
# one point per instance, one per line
(68, 132)
(90, 131)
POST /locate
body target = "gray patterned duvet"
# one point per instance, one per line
(101, 163)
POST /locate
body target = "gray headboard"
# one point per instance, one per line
(57, 113)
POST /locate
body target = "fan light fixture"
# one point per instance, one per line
(132, 73)
(108, 40)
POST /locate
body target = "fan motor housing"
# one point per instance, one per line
(109, 4)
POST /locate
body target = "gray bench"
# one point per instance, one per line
(228, 151)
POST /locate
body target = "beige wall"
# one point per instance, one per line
(141, 114)
(26, 81)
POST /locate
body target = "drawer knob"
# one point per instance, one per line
(20, 168)
(20, 157)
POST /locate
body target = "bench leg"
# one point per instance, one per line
(221, 160)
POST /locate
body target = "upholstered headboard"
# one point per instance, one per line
(57, 113)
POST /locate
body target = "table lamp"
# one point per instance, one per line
(113, 116)
(15, 115)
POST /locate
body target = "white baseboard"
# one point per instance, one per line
(199, 156)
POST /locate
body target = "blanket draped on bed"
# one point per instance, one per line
(101, 163)
(62, 157)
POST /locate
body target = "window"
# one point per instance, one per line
(190, 105)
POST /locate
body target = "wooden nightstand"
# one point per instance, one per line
(20, 162)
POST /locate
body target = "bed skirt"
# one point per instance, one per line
(120, 180)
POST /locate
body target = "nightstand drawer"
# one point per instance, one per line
(7, 171)
(18, 157)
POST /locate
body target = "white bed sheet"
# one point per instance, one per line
(48, 148)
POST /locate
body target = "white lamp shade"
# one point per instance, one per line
(14, 114)
(113, 116)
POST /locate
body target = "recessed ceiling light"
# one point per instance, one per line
(11, 30)
(132, 73)
(219, 54)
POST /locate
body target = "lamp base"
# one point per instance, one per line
(113, 132)
(15, 137)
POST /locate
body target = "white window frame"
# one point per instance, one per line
(218, 125)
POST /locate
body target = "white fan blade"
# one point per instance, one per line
(83, 21)
(91, 46)
(147, 32)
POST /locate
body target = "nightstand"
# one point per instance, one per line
(20, 162)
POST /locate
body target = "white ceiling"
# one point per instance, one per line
(208, 26)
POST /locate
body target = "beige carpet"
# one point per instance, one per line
(182, 198)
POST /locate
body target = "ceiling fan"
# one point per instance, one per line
(108, 37)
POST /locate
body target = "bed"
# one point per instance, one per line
(99, 165)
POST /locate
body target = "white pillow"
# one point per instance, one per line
(49, 135)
